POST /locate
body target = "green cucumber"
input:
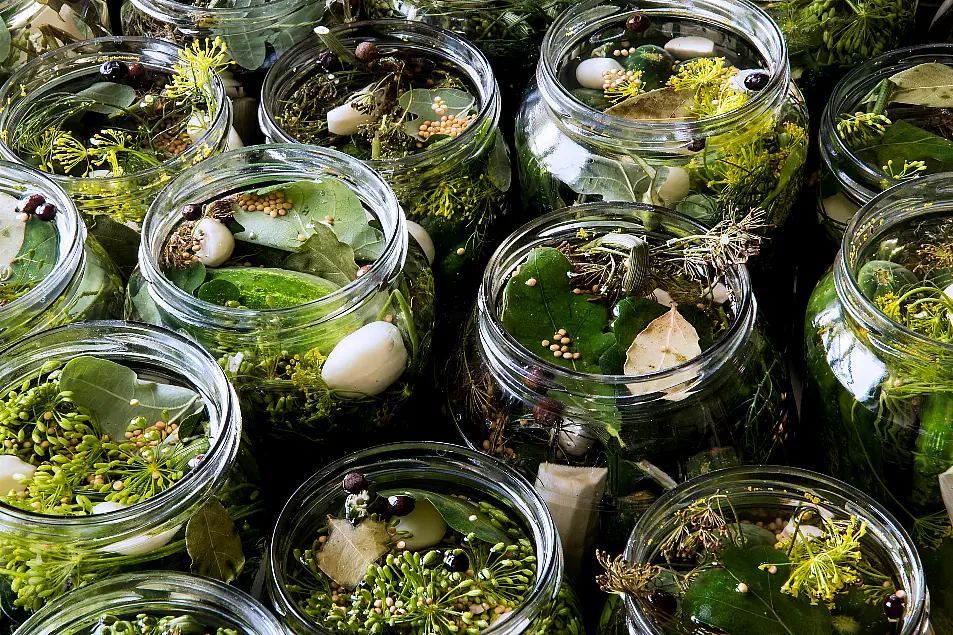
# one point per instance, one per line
(591, 97)
(655, 64)
(263, 288)
(934, 449)
(879, 277)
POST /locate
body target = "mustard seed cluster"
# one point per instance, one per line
(273, 203)
(447, 125)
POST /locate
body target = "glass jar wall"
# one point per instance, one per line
(67, 278)
(373, 331)
(189, 599)
(608, 443)
(526, 589)
(875, 385)
(455, 188)
(136, 509)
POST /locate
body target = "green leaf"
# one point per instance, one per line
(905, 142)
(212, 541)
(700, 207)
(597, 411)
(120, 241)
(457, 513)
(713, 597)
(658, 104)
(42, 238)
(110, 97)
(929, 85)
(498, 166)
(634, 315)
(247, 47)
(263, 288)
(188, 278)
(218, 292)
(325, 256)
(5, 41)
(534, 313)
(107, 390)
(419, 102)
(612, 361)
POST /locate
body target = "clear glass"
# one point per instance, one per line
(478, 157)
(33, 28)
(847, 182)
(866, 378)
(730, 405)
(255, 347)
(84, 285)
(769, 487)
(155, 593)
(46, 555)
(549, 606)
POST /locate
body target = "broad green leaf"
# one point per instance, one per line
(247, 47)
(700, 207)
(612, 361)
(42, 239)
(110, 97)
(633, 316)
(905, 142)
(598, 412)
(713, 597)
(533, 313)
(419, 102)
(5, 40)
(457, 513)
(325, 256)
(218, 292)
(297, 26)
(188, 278)
(613, 180)
(929, 85)
(262, 288)
(120, 241)
(281, 232)
(108, 390)
(12, 231)
(212, 541)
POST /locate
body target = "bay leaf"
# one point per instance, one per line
(419, 102)
(107, 390)
(188, 278)
(325, 256)
(6, 41)
(634, 316)
(350, 550)
(713, 598)
(929, 85)
(212, 542)
(263, 288)
(109, 97)
(12, 230)
(42, 239)
(666, 342)
(661, 103)
(532, 314)
(460, 515)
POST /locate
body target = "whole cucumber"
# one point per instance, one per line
(934, 449)
(655, 64)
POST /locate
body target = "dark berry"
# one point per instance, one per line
(893, 608)
(137, 71)
(30, 202)
(757, 81)
(114, 70)
(663, 602)
(366, 52)
(696, 145)
(456, 562)
(355, 483)
(546, 413)
(638, 23)
(192, 211)
(46, 211)
(400, 505)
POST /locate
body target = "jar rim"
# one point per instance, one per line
(173, 9)
(440, 42)
(138, 45)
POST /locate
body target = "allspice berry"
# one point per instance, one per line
(355, 483)
(366, 52)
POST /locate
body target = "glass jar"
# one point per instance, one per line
(47, 555)
(549, 605)
(260, 349)
(33, 28)
(731, 404)
(102, 200)
(870, 384)
(433, 185)
(83, 285)
(848, 182)
(775, 489)
(155, 593)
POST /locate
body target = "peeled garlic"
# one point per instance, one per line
(345, 119)
(687, 47)
(234, 141)
(575, 440)
(589, 72)
(675, 187)
(840, 208)
(137, 544)
(425, 523)
(12, 471)
(661, 296)
(423, 239)
(216, 241)
(367, 361)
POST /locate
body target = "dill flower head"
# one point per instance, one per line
(193, 72)
(710, 80)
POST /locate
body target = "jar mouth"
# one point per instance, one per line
(181, 11)
(566, 222)
(149, 347)
(848, 92)
(926, 196)
(17, 179)
(583, 19)
(266, 164)
(398, 34)
(152, 592)
(438, 463)
(75, 61)
(766, 483)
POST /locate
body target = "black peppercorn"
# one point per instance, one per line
(192, 211)
(137, 71)
(893, 608)
(456, 562)
(696, 145)
(30, 202)
(663, 602)
(355, 483)
(757, 81)
(366, 52)
(114, 70)
(46, 211)
(400, 505)
(638, 23)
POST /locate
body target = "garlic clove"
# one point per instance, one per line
(675, 187)
(423, 239)
(661, 296)
(234, 141)
(589, 72)
(345, 119)
(107, 507)
(137, 544)
(367, 361)
(216, 242)
(12, 471)
(425, 523)
(687, 47)
(575, 440)
(840, 208)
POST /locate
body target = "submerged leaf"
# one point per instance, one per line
(462, 516)
(110, 97)
(213, 543)
(325, 256)
(42, 239)
(666, 342)
(905, 142)
(349, 550)
(263, 288)
(929, 85)
(420, 101)
(188, 278)
(661, 103)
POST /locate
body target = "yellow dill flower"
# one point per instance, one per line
(710, 79)
(193, 72)
(621, 84)
(797, 135)
(889, 304)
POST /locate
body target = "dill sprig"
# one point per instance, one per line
(623, 577)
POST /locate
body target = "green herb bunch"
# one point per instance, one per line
(151, 625)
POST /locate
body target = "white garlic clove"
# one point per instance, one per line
(215, 241)
(589, 72)
(575, 440)
(425, 523)
(12, 472)
(423, 239)
(234, 141)
(687, 47)
(718, 293)
(107, 507)
(675, 187)
(345, 119)
(367, 361)
(840, 208)
(805, 531)
(661, 296)
(137, 544)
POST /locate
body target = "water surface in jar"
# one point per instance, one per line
(29, 243)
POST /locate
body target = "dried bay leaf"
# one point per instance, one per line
(350, 550)
(929, 85)
(666, 342)
(325, 256)
(662, 103)
(213, 543)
